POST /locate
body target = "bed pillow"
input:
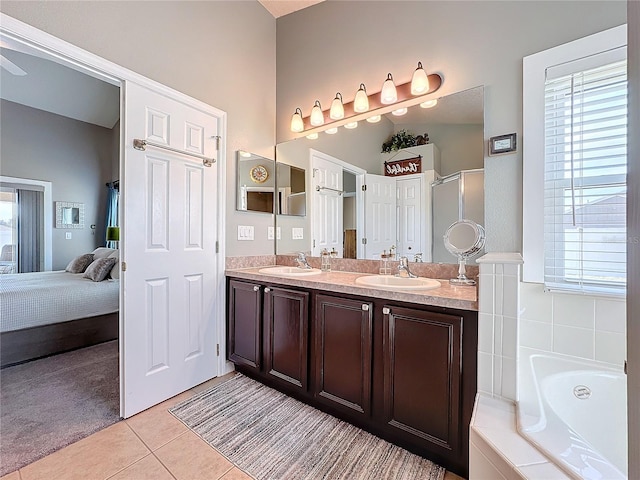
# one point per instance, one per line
(80, 263)
(115, 271)
(102, 252)
(99, 269)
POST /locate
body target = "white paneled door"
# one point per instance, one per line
(169, 338)
(380, 214)
(327, 204)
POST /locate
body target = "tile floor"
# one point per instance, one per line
(152, 445)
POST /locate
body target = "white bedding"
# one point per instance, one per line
(42, 298)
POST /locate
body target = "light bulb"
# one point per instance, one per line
(361, 102)
(297, 125)
(429, 103)
(312, 136)
(420, 81)
(374, 119)
(351, 125)
(399, 112)
(388, 94)
(337, 108)
(332, 131)
(317, 118)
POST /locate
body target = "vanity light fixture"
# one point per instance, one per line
(312, 136)
(389, 94)
(351, 125)
(361, 102)
(332, 131)
(244, 154)
(297, 125)
(429, 103)
(391, 99)
(420, 81)
(399, 112)
(317, 117)
(337, 108)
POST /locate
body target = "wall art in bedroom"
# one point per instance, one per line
(69, 215)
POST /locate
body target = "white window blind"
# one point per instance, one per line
(585, 177)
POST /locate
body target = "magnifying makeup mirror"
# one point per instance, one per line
(464, 239)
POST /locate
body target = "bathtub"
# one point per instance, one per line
(575, 413)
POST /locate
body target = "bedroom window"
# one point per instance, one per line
(8, 229)
(574, 165)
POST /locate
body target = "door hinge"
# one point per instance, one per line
(364, 241)
(364, 188)
(217, 137)
(217, 349)
(217, 247)
(314, 244)
(124, 266)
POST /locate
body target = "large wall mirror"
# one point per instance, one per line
(255, 190)
(339, 213)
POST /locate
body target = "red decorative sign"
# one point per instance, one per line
(403, 167)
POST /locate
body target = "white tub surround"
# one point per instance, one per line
(575, 412)
(498, 452)
(498, 306)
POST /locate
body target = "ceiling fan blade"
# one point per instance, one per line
(11, 67)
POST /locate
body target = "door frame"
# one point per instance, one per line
(86, 62)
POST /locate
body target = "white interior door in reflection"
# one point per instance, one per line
(327, 205)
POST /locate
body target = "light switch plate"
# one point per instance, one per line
(270, 233)
(67, 235)
(245, 232)
(297, 233)
(278, 233)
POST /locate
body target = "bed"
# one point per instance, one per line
(43, 313)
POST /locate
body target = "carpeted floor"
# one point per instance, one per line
(49, 403)
(272, 436)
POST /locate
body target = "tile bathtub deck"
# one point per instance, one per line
(152, 445)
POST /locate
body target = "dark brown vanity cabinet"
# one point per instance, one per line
(403, 371)
(286, 336)
(422, 360)
(342, 332)
(268, 332)
(244, 345)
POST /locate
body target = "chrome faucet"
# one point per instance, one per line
(403, 266)
(301, 260)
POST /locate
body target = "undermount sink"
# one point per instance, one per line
(290, 271)
(391, 282)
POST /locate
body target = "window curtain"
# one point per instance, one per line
(30, 231)
(112, 211)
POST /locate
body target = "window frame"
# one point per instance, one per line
(534, 74)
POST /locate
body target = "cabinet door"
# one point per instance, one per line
(422, 376)
(285, 323)
(342, 332)
(244, 324)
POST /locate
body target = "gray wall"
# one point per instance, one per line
(76, 157)
(469, 43)
(220, 52)
(633, 265)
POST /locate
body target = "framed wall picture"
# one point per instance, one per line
(502, 144)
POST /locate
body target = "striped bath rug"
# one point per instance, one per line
(272, 436)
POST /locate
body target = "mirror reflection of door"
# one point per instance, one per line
(327, 205)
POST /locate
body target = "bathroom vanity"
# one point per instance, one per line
(401, 365)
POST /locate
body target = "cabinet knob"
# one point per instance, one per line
(267, 290)
(256, 288)
(386, 311)
(365, 307)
